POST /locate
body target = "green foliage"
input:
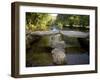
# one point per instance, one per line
(43, 21)
(84, 21)
(72, 20)
(37, 21)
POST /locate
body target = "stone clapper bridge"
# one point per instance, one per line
(58, 45)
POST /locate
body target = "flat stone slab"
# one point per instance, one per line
(44, 33)
(76, 34)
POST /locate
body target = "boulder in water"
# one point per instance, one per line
(58, 44)
(59, 56)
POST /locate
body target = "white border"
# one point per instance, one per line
(53, 69)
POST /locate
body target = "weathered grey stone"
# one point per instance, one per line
(58, 44)
(75, 34)
(44, 33)
(59, 56)
(31, 39)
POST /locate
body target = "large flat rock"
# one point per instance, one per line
(77, 34)
(44, 33)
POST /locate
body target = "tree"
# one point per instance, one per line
(84, 20)
(72, 20)
(61, 20)
(37, 21)
(65, 19)
(42, 21)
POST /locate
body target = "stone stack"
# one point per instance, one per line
(58, 52)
